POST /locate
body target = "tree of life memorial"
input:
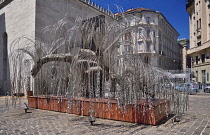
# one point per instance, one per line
(82, 70)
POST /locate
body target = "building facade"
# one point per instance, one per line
(154, 38)
(199, 19)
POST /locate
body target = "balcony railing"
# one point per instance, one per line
(145, 51)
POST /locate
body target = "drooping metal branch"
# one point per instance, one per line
(48, 58)
(62, 57)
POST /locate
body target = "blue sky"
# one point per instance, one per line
(173, 10)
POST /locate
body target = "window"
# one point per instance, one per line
(209, 20)
(148, 33)
(203, 73)
(196, 75)
(148, 46)
(207, 76)
(118, 62)
(128, 36)
(146, 59)
(140, 48)
(128, 48)
(199, 44)
(148, 19)
(209, 17)
(207, 55)
(140, 33)
(197, 7)
(196, 59)
(199, 23)
(203, 58)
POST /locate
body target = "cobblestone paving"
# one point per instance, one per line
(17, 122)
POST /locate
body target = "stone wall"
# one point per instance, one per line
(29, 17)
(17, 18)
(49, 12)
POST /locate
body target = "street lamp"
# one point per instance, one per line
(174, 64)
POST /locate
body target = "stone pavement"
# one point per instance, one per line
(17, 122)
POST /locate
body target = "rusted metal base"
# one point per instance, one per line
(144, 112)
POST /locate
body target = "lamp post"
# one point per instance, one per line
(188, 71)
(191, 64)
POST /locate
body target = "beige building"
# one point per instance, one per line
(199, 19)
(153, 37)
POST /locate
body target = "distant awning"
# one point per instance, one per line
(181, 75)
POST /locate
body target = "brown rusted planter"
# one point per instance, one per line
(32, 102)
(144, 112)
(64, 105)
(29, 93)
(44, 102)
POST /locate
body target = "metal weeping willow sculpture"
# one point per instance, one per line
(83, 67)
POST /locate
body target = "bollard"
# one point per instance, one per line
(26, 108)
(92, 118)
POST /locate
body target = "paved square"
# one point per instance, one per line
(17, 122)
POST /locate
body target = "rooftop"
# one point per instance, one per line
(140, 9)
(135, 10)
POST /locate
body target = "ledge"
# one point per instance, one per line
(99, 8)
(3, 3)
(204, 46)
(201, 64)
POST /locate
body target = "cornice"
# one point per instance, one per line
(3, 3)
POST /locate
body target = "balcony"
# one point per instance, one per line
(201, 64)
(146, 51)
